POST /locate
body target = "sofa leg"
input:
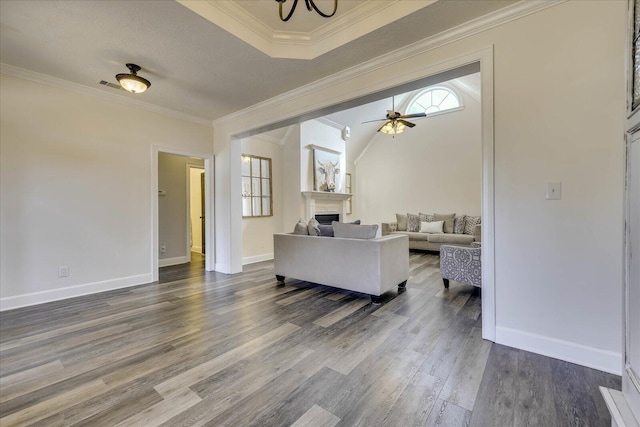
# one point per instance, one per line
(376, 300)
(280, 279)
(446, 283)
(402, 287)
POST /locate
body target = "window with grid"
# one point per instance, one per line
(256, 186)
(435, 100)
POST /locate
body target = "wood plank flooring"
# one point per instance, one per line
(209, 349)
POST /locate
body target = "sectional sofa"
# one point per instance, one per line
(459, 230)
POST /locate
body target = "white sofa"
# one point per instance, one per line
(369, 266)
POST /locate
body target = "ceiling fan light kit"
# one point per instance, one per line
(132, 82)
(392, 127)
(310, 6)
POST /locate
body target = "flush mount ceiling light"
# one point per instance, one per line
(310, 6)
(132, 82)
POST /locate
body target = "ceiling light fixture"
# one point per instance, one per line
(310, 6)
(393, 127)
(132, 82)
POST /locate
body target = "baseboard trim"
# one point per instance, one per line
(166, 262)
(256, 258)
(607, 361)
(197, 249)
(10, 303)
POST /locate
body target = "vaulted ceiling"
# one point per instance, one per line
(197, 67)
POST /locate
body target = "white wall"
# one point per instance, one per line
(292, 201)
(559, 97)
(195, 206)
(433, 167)
(173, 214)
(257, 233)
(76, 190)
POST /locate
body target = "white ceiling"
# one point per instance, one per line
(195, 67)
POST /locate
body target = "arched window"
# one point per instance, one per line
(435, 100)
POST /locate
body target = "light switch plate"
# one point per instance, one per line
(554, 190)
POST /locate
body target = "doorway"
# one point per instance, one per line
(174, 247)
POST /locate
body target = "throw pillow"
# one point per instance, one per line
(356, 222)
(413, 223)
(313, 228)
(326, 230)
(448, 221)
(458, 224)
(301, 228)
(425, 217)
(470, 224)
(431, 227)
(353, 231)
(401, 219)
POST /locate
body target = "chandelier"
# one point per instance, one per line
(310, 6)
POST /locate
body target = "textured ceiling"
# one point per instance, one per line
(195, 67)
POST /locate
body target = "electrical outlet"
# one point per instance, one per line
(63, 271)
(163, 249)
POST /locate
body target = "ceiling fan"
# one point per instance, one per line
(395, 122)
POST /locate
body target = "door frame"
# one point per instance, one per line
(209, 200)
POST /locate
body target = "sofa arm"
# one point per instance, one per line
(477, 233)
(389, 227)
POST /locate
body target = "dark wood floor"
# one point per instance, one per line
(218, 350)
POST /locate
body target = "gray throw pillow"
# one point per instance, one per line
(448, 221)
(353, 231)
(401, 219)
(326, 230)
(313, 228)
(413, 223)
(301, 228)
(425, 217)
(458, 224)
(357, 222)
(470, 223)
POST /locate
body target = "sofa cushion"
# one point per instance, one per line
(413, 236)
(352, 231)
(425, 217)
(313, 228)
(458, 224)
(326, 230)
(431, 227)
(470, 223)
(301, 228)
(461, 239)
(448, 221)
(401, 219)
(413, 223)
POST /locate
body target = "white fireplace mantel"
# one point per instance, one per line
(321, 202)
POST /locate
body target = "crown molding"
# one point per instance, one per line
(478, 25)
(266, 138)
(355, 23)
(329, 123)
(85, 90)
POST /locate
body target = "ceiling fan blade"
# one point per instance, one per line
(406, 123)
(376, 120)
(411, 116)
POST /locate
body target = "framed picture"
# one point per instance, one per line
(326, 166)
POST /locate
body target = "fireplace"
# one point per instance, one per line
(324, 203)
(327, 218)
